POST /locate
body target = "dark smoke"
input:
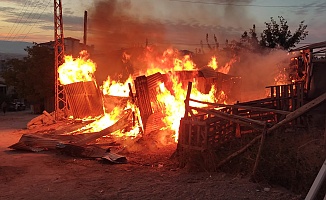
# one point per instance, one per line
(113, 28)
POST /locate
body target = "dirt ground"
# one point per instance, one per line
(147, 175)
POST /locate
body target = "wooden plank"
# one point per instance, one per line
(272, 93)
(262, 141)
(235, 118)
(300, 111)
(325, 135)
(317, 183)
(243, 149)
(198, 136)
(278, 106)
(295, 114)
(187, 99)
(243, 107)
(292, 98)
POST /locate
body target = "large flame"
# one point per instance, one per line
(76, 70)
(174, 104)
(116, 88)
(172, 97)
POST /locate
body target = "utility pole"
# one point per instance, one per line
(85, 28)
(60, 103)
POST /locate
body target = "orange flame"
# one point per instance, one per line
(224, 69)
(82, 69)
(170, 60)
(76, 70)
(116, 88)
(213, 63)
(174, 104)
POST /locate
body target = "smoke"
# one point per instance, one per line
(117, 24)
(125, 23)
(113, 26)
(257, 71)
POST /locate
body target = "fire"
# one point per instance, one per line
(110, 118)
(116, 88)
(82, 69)
(104, 122)
(171, 97)
(185, 64)
(170, 60)
(174, 104)
(213, 63)
(77, 70)
(224, 69)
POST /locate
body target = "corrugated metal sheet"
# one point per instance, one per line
(154, 122)
(144, 102)
(154, 79)
(84, 99)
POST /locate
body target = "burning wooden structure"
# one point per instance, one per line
(309, 65)
(147, 90)
(217, 124)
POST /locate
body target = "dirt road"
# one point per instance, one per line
(147, 175)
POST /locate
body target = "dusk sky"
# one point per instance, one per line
(180, 23)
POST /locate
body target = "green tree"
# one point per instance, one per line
(279, 34)
(32, 76)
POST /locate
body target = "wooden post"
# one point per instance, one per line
(304, 108)
(131, 93)
(187, 99)
(278, 99)
(325, 135)
(317, 183)
(292, 98)
(297, 113)
(263, 136)
(272, 95)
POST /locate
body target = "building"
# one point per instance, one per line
(72, 46)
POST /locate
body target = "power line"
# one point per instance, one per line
(16, 19)
(32, 13)
(21, 15)
(45, 7)
(249, 5)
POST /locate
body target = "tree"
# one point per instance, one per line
(250, 40)
(279, 34)
(32, 76)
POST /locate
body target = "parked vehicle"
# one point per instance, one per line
(16, 106)
(20, 106)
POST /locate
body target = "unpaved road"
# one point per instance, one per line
(147, 175)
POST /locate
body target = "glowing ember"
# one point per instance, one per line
(104, 122)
